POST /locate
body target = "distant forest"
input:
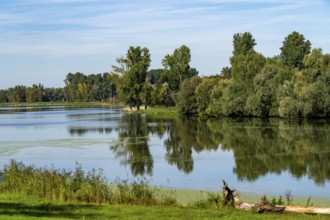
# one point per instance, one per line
(295, 83)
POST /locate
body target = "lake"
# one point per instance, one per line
(260, 156)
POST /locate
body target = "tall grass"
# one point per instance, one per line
(210, 201)
(90, 187)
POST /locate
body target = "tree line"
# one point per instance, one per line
(295, 83)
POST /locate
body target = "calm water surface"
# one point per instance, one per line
(253, 155)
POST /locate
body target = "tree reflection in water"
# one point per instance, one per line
(273, 146)
(133, 146)
(259, 146)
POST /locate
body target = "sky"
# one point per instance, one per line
(43, 40)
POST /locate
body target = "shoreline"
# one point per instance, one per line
(186, 196)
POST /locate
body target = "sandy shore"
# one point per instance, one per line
(133, 109)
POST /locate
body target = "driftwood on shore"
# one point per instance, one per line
(265, 206)
(231, 197)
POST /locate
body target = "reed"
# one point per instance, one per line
(63, 185)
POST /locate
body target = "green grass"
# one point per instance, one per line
(16, 207)
(159, 111)
(28, 192)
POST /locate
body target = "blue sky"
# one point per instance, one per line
(43, 40)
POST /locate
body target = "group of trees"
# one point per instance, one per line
(35, 93)
(137, 85)
(78, 88)
(90, 88)
(295, 83)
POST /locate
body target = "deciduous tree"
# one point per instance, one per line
(294, 49)
(177, 67)
(134, 69)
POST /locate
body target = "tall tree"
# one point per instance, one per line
(246, 64)
(294, 49)
(243, 43)
(177, 67)
(133, 69)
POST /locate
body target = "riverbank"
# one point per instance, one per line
(69, 104)
(159, 111)
(78, 195)
(186, 196)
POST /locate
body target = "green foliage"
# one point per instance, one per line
(246, 64)
(294, 49)
(234, 99)
(262, 87)
(212, 201)
(155, 75)
(159, 111)
(186, 101)
(89, 88)
(17, 94)
(225, 73)
(263, 99)
(35, 93)
(54, 95)
(278, 201)
(243, 43)
(134, 72)
(160, 94)
(246, 67)
(215, 108)
(138, 193)
(3, 96)
(177, 67)
(307, 94)
(55, 185)
(203, 94)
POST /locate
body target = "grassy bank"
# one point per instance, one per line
(21, 208)
(28, 192)
(159, 111)
(69, 104)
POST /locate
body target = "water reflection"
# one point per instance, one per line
(259, 146)
(81, 131)
(132, 147)
(184, 136)
(274, 146)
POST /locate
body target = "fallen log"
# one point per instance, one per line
(265, 206)
(307, 210)
(231, 197)
(239, 203)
